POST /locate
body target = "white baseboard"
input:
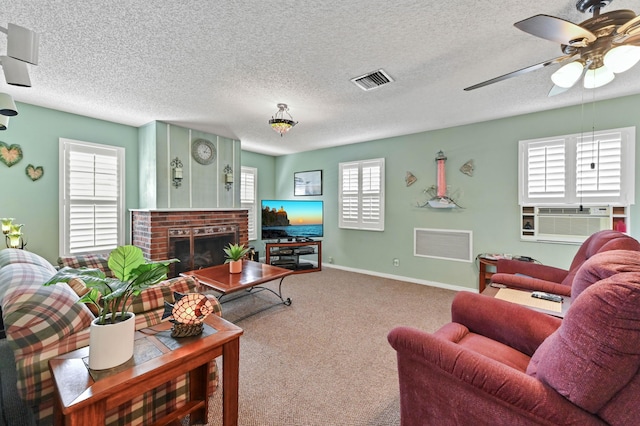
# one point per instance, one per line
(401, 278)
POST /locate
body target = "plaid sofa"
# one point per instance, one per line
(44, 322)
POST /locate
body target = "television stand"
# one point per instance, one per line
(287, 255)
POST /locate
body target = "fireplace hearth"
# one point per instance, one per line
(200, 247)
(195, 237)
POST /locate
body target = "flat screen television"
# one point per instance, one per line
(291, 219)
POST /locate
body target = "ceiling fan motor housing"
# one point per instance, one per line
(591, 5)
(603, 26)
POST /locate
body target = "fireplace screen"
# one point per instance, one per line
(201, 247)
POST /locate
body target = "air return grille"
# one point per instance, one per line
(443, 244)
(373, 80)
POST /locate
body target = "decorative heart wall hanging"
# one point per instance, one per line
(34, 173)
(10, 154)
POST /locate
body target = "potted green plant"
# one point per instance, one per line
(234, 254)
(112, 297)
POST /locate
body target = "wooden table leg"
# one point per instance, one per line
(230, 376)
(198, 384)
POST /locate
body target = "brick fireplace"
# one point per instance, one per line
(167, 233)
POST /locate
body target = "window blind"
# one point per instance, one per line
(361, 193)
(596, 168)
(546, 169)
(92, 207)
(599, 166)
(248, 197)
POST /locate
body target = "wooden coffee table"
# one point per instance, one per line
(253, 274)
(83, 397)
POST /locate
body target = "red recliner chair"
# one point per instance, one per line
(499, 363)
(534, 276)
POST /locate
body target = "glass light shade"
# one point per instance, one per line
(14, 240)
(568, 74)
(621, 58)
(281, 125)
(4, 122)
(598, 77)
(6, 224)
(16, 228)
(7, 106)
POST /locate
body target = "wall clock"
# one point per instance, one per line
(203, 151)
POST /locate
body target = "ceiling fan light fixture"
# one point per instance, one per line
(621, 58)
(4, 122)
(279, 123)
(598, 77)
(7, 106)
(567, 75)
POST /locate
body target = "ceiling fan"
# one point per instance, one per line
(598, 48)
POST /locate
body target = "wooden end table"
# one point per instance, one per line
(83, 397)
(219, 279)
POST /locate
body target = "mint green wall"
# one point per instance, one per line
(35, 204)
(202, 186)
(489, 198)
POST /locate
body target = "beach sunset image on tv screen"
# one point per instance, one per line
(292, 219)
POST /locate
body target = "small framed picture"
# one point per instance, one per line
(307, 183)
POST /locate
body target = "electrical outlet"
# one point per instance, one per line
(330, 259)
(396, 262)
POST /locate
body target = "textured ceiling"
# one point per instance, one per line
(222, 67)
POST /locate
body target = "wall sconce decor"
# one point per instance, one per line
(12, 233)
(187, 313)
(228, 177)
(176, 172)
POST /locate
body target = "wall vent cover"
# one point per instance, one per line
(445, 244)
(372, 80)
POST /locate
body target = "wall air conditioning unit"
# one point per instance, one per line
(569, 224)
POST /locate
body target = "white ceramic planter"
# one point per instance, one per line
(235, 266)
(111, 344)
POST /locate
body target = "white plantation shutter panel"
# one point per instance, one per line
(546, 170)
(349, 188)
(92, 213)
(596, 168)
(362, 195)
(248, 197)
(605, 154)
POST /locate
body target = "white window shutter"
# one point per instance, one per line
(92, 194)
(596, 168)
(361, 193)
(248, 198)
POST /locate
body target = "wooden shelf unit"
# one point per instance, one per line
(287, 255)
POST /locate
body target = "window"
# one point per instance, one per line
(91, 197)
(594, 168)
(248, 197)
(361, 195)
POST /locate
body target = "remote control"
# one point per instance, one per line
(546, 296)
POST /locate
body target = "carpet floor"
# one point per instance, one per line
(325, 359)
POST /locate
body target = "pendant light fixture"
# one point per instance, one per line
(279, 123)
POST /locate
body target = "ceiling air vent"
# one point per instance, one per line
(372, 80)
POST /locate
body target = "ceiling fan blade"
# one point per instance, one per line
(556, 90)
(521, 71)
(556, 29)
(630, 29)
